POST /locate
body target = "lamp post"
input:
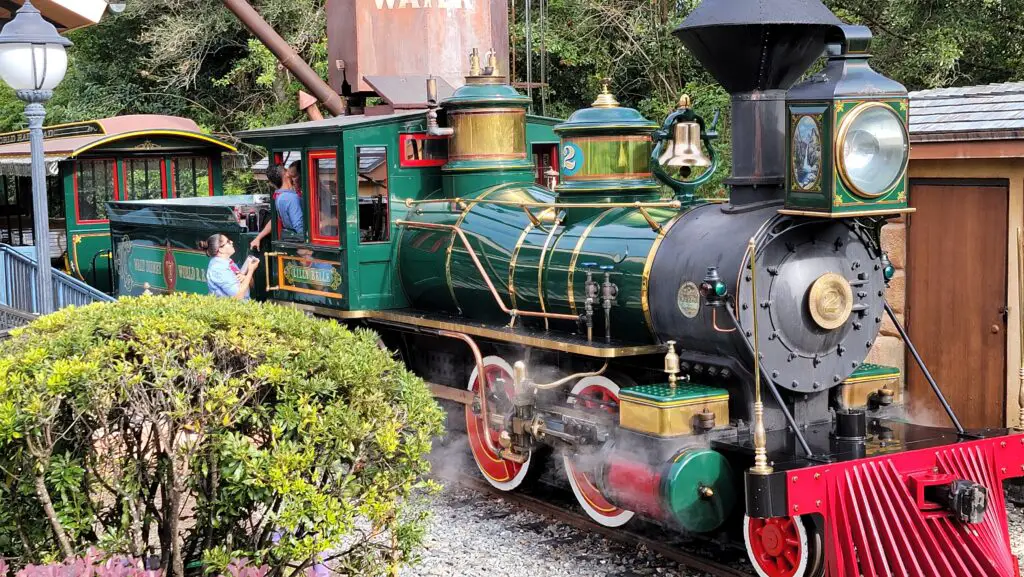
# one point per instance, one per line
(33, 61)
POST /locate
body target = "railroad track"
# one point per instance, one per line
(579, 521)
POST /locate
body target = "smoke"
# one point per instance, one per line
(450, 455)
(927, 413)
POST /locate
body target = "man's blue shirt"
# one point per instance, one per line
(221, 278)
(289, 209)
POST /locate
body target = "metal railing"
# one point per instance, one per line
(18, 290)
(12, 319)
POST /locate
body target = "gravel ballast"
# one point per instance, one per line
(473, 534)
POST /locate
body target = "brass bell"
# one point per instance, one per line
(684, 149)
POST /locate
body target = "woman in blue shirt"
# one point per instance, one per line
(223, 277)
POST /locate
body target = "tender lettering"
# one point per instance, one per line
(191, 273)
(318, 276)
(148, 266)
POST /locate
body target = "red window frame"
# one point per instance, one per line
(538, 154)
(174, 173)
(279, 160)
(313, 180)
(115, 177)
(405, 163)
(278, 227)
(127, 172)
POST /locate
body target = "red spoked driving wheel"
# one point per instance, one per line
(595, 394)
(501, 473)
(783, 547)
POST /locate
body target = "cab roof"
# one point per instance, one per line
(339, 124)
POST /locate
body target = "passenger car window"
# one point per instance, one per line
(191, 177)
(143, 179)
(95, 184)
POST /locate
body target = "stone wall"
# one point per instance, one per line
(888, 348)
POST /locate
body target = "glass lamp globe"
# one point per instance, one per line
(32, 54)
(26, 66)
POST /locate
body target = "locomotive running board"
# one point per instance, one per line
(519, 336)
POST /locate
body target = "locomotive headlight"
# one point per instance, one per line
(873, 149)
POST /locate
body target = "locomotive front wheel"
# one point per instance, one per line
(595, 394)
(501, 473)
(784, 546)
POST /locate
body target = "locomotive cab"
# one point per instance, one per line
(356, 174)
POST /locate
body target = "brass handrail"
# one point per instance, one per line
(1020, 323)
(650, 221)
(266, 271)
(513, 313)
(540, 267)
(761, 466)
(409, 203)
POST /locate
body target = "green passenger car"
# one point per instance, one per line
(141, 157)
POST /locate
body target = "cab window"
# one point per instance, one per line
(374, 224)
(421, 149)
(323, 197)
(95, 183)
(545, 158)
(287, 159)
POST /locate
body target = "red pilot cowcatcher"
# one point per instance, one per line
(881, 518)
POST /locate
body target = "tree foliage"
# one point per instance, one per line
(201, 430)
(922, 43)
(932, 43)
(193, 58)
(190, 58)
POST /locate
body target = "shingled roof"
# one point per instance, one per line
(985, 112)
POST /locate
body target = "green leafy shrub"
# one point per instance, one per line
(201, 430)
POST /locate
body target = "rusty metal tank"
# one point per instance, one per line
(371, 38)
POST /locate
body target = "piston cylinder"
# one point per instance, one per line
(694, 490)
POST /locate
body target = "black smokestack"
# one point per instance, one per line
(757, 49)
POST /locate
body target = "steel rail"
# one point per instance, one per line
(513, 313)
(583, 523)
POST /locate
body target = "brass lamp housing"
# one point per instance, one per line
(821, 113)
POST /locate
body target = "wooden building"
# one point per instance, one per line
(956, 282)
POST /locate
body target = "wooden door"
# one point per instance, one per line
(956, 295)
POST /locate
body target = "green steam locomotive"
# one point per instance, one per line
(689, 360)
